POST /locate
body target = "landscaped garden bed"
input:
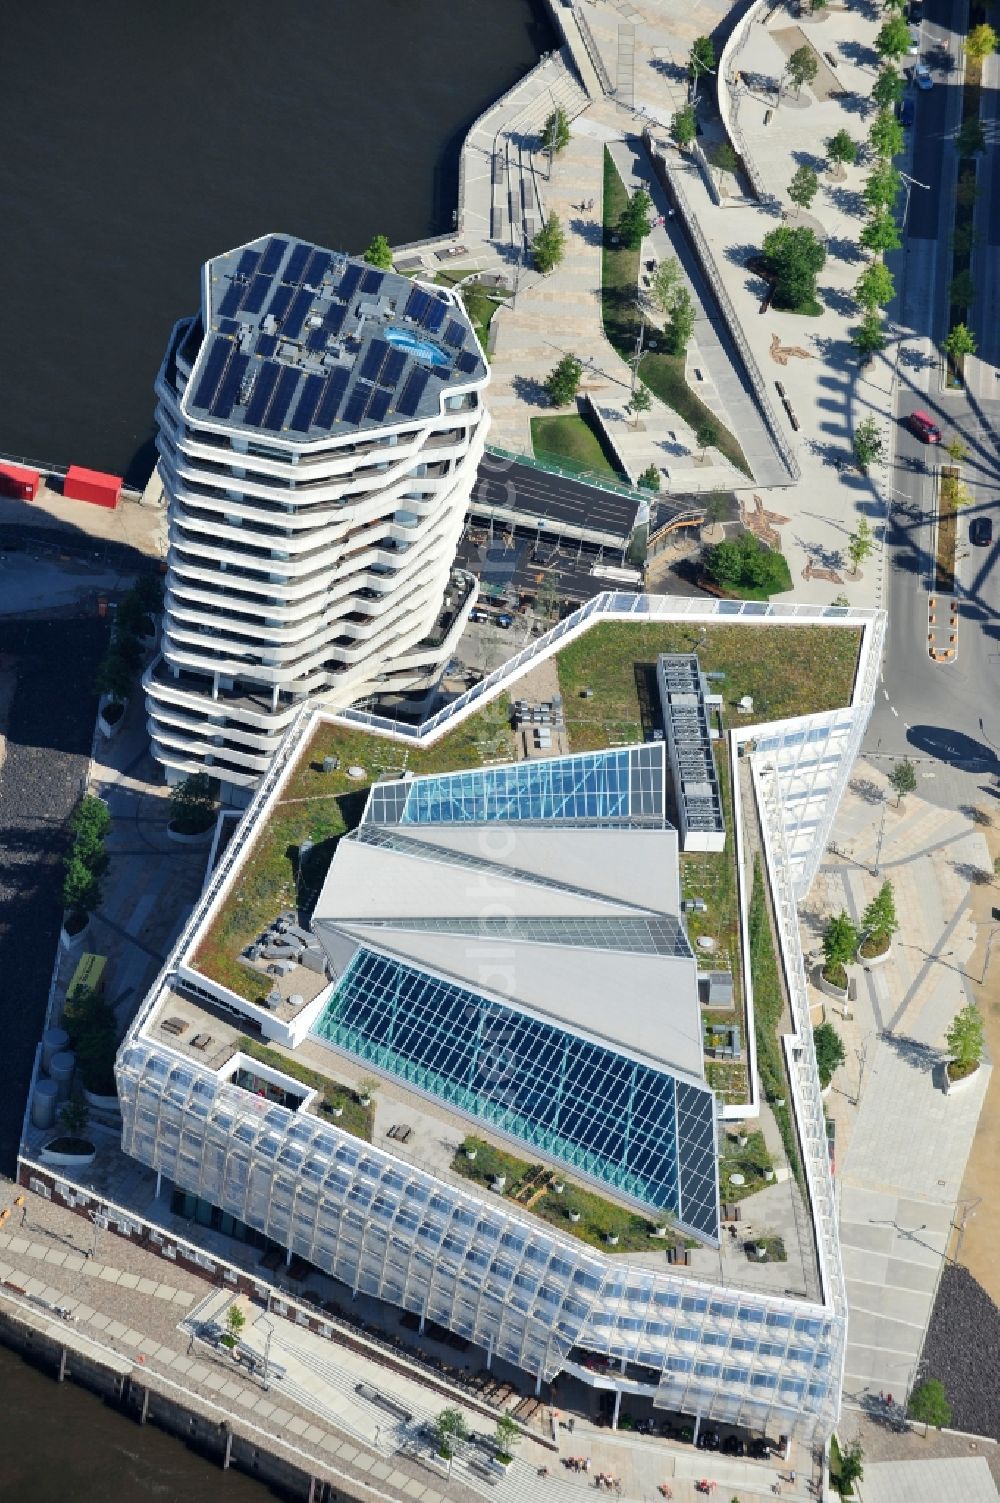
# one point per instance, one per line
(338, 1103)
(768, 1002)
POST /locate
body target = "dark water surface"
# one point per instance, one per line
(61, 1444)
(140, 137)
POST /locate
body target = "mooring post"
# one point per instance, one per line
(62, 1365)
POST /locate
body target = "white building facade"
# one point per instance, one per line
(320, 426)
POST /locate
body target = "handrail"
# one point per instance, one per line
(729, 98)
(587, 36)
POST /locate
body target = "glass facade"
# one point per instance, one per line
(634, 936)
(604, 1115)
(611, 785)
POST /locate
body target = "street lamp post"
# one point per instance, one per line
(911, 182)
(698, 68)
(640, 340)
(262, 1320)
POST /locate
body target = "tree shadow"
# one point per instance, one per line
(589, 230)
(837, 300)
(809, 159)
(530, 390)
(915, 359)
(849, 201)
(667, 68)
(843, 249)
(914, 1052)
(858, 53)
(968, 871)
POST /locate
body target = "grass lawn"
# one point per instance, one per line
(529, 1185)
(323, 806)
(789, 670)
(569, 440)
(663, 374)
(750, 1161)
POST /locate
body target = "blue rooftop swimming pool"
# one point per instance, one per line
(420, 349)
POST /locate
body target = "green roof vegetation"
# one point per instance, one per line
(334, 1095)
(569, 440)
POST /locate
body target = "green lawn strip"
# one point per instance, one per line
(662, 373)
(569, 440)
(323, 806)
(356, 1119)
(750, 1161)
(768, 1003)
(599, 1218)
(788, 670)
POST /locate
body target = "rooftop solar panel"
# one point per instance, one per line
(266, 345)
(332, 397)
(351, 278)
(230, 388)
(312, 390)
(317, 339)
(231, 300)
(280, 301)
(271, 259)
(372, 279)
(296, 315)
(282, 399)
(417, 304)
(228, 326)
(379, 405)
(409, 399)
(317, 268)
(357, 402)
(393, 368)
(211, 372)
(372, 363)
(334, 320)
(296, 263)
(256, 293)
(247, 264)
(467, 361)
(263, 387)
(434, 316)
(454, 335)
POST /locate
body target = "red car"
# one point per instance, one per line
(923, 426)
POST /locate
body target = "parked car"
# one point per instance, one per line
(505, 621)
(906, 110)
(734, 1446)
(923, 425)
(709, 1440)
(922, 77)
(478, 616)
(981, 532)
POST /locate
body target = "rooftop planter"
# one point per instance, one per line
(111, 715)
(75, 926)
(957, 1077)
(71, 1153)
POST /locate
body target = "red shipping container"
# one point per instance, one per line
(91, 485)
(19, 483)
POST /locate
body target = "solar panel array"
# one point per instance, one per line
(290, 301)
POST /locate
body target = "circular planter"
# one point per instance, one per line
(73, 941)
(952, 1087)
(574, 1216)
(826, 987)
(111, 717)
(871, 961)
(613, 1239)
(201, 838)
(67, 1160)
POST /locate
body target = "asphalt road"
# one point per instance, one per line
(946, 717)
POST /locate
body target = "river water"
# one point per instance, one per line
(141, 138)
(138, 140)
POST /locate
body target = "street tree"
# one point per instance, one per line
(640, 401)
(802, 67)
(962, 289)
(895, 5)
(192, 804)
(875, 287)
(888, 89)
(555, 131)
(956, 449)
(970, 139)
(929, 1404)
(706, 435)
(903, 779)
(869, 336)
(563, 381)
(90, 824)
(235, 1324)
(508, 1435)
(886, 135)
(702, 58)
(74, 1115)
(879, 922)
(725, 158)
(967, 191)
(114, 677)
(451, 1428)
(965, 1038)
(793, 257)
(964, 239)
(981, 41)
(840, 944)
(744, 563)
(81, 889)
(717, 508)
(649, 480)
(549, 245)
(634, 221)
(893, 40)
(803, 187)
(842, 149)
(379, 253)
(666, 279)
(829, 1050)
(868, 443)
(960, 342)
(852, 1467)
(683, 128)
(881, 233)
(860, 544)
(883, 187)
(680, 324)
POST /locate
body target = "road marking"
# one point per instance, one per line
(886, 693)
(894, 711)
